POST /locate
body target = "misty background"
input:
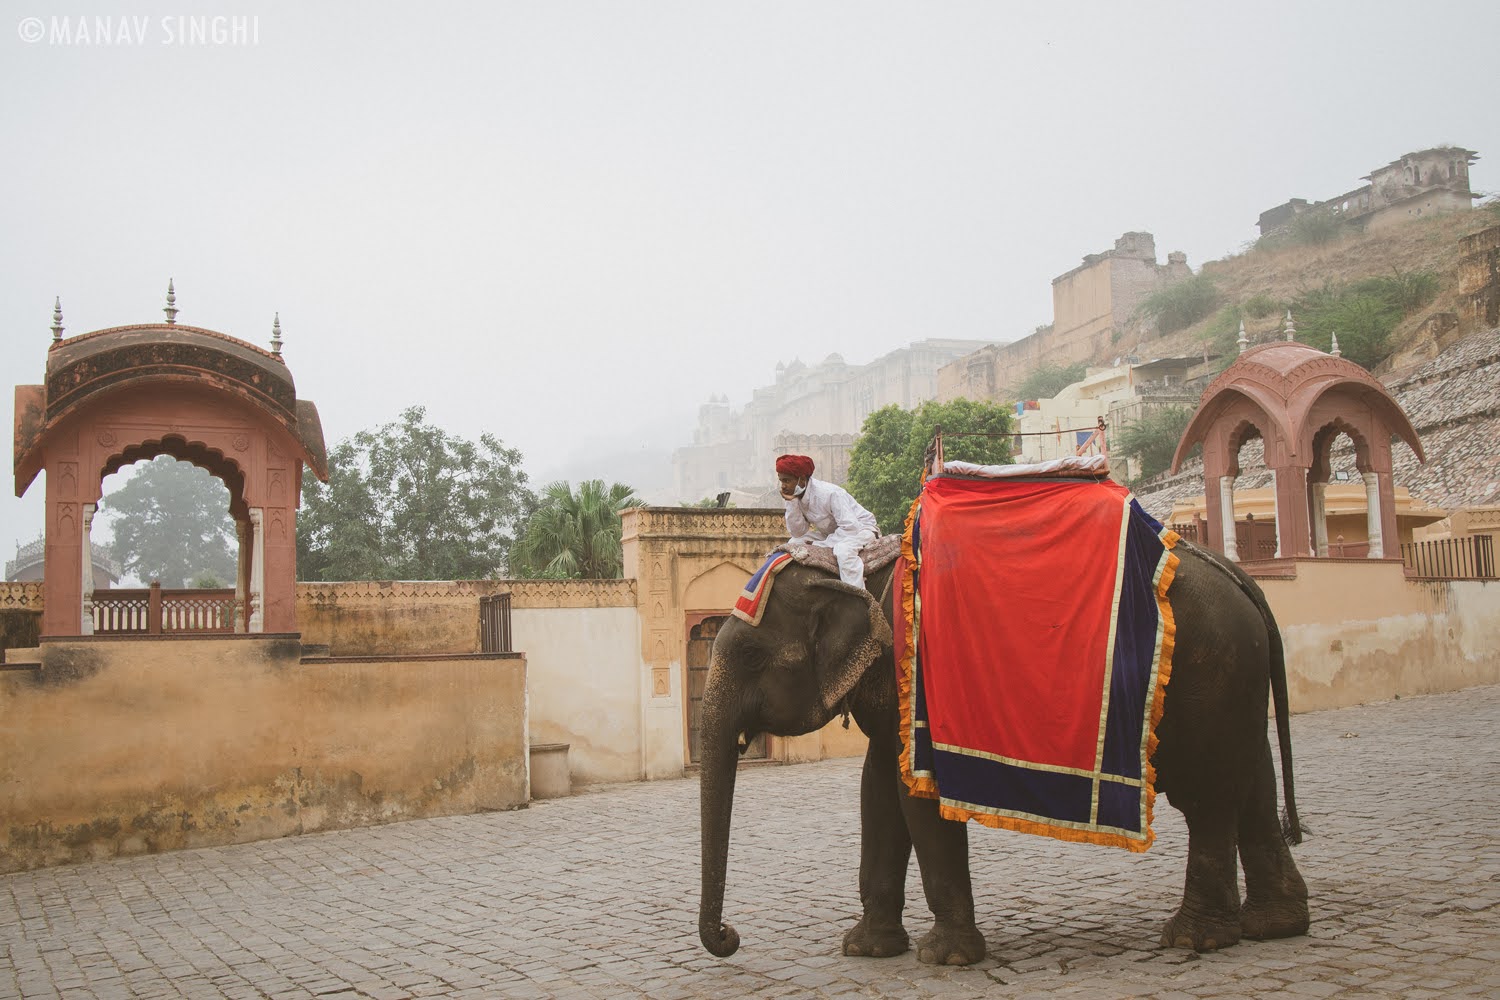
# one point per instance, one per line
(569, 224)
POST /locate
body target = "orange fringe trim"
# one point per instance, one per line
(926, 788)
(918, 787)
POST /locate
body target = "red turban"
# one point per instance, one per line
(795, 465)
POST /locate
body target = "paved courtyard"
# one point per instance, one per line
(596, 896)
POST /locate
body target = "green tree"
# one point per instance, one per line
(575, 534)
(885, 467)
(1048, 379)
(171, 523)
(1152, 440)
(408, 501)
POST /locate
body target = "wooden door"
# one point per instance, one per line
(700, 644)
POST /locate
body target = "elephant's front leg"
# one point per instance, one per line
(884, 852)
(943, 855)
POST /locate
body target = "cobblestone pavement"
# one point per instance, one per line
(596, 896)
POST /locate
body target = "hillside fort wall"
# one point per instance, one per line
(1427, 182)
(821, 406)
(1093, 305)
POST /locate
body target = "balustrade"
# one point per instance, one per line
(156, 611)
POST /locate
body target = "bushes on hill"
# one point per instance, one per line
(1152, 440)
(1180, 305)
(1363, 313)
(1048, 379)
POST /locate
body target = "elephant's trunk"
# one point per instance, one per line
(720, 758)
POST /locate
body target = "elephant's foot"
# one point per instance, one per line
(1278, 919)
(869, 940)
(949, 945)
(1200, 933)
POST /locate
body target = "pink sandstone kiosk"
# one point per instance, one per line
(130, 393)
(1298, 400)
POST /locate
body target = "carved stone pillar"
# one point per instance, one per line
(1373, 518)
(241, 576)
(86, 622)
(1320, 519)
(257, 570)
(1226, 517)
(1293, 534)
(1281, 517)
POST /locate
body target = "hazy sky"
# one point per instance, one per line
(570, 223)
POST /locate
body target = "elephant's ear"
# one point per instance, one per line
(849, 631)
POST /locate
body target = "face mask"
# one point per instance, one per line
(798, 491)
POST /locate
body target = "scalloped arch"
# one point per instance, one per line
(196, 453)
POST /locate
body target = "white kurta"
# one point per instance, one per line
(827, 515)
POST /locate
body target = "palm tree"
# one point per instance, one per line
(574, 535)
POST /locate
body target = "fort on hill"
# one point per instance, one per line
(1097, 318)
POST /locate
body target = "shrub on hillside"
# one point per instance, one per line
(1180, 305)
(1048, 379)
(1363, 318)
(1223, 330)
(1260, 306)
(1152, 439)
(1363, 313)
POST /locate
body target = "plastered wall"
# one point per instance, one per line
(116, 746)
(584, 686)
(1357, 632)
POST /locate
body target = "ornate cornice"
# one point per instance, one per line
(683, 523)
(572, 593)
(524, 593)
(18, 596)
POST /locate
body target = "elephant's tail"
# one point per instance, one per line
(1291, 826)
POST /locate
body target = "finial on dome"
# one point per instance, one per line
(57, 327)
(1334, 348)
(171, 309)
(1242, 340)
(276, 335)
(1291, 329)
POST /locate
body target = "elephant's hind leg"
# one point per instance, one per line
(884, 853)
(1275, 895)
(1209, 917)
(943, 854)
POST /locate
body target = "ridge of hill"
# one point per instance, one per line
(1284, 274)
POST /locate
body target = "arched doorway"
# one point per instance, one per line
(702, 628)
(168, 522)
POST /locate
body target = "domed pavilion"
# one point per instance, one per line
(130, 393)
(1298, 400)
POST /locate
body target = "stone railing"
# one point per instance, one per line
(157, 611)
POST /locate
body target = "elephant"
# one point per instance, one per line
(823, 648)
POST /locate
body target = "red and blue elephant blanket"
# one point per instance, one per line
(1033, 653)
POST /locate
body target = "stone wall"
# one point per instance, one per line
(20, 615)
(128, 745)
(1357, 631)
(1092, 305)
(375, 617)
(1479, 279)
